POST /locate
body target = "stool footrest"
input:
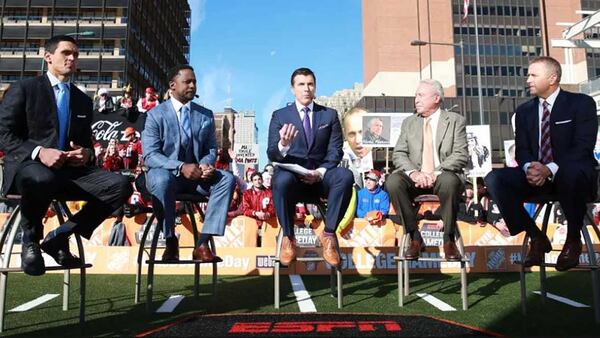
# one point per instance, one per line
(48, 268)
(429, 259)
(579, 267)
(183, 261)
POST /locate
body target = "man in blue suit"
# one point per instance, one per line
(309, 135)
(555, 134)
(180, 150)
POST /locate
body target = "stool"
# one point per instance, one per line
(403, 263)
(189, 202)
(548, 201)
(334, 271)
(7, 239)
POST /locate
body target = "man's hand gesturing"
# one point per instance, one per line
(287, 133)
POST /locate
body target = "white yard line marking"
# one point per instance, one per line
(38, 301)
(561, 299)
(302, 296)
(170, 304)
(436, 302)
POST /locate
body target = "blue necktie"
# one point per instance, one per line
(306, 125)
(62, 109)
(185, 126)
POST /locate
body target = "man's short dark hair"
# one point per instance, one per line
(174, 71)
(302, 71)
(254, 174)
(53, 42)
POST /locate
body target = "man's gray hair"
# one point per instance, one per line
(439, 89)
(372, 120)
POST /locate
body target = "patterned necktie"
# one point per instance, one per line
(545, 146)
(62, 110)
(428, 163)
(306, 125)
(185, 126)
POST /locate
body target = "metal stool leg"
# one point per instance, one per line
(593, 270)
(543, 288)
(150, 276)
(276, 267)
(189, 209)
(140, 256)
(9, 234)
(522, 280)
(340, 291)
(463, 272)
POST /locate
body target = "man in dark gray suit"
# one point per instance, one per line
(429, 157)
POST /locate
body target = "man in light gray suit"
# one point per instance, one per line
(429, 157)
(180, 150)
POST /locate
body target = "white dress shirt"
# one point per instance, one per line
(550, 99)
(178, 105)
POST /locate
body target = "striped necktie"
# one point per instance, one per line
(545, 146)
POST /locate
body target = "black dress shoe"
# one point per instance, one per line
(537, 250)
(58, 248)
(32, 261)
(569, 256)
(171, 253)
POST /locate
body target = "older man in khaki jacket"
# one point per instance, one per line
(429, 157)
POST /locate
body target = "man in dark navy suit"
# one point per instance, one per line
(45, 129)
(555, 134)
(309, 135)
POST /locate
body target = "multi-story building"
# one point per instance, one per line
(342, 100)
(121, 41)
(246, 131)
(511, 33)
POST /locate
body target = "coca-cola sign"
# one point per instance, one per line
(113, 125)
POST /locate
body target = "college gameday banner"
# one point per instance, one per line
(366, 249)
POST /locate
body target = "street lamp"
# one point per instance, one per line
(462, 62)
(84, 33)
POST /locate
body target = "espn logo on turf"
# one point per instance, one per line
(315, 326)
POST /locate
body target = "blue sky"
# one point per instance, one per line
(244, 51)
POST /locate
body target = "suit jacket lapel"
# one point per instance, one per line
(316, 122)
(534, 124)
(171, 118)
(418, 136)
(48, 91)
(442, 127)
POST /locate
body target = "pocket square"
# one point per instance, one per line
(323, 126)
(81, 116)
(562, 122)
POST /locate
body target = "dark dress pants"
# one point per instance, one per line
(38, 185)
(289, 190)
(573, 185)
(402, 190)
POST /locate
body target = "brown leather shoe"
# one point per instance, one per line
(537, 250)
(569, 256)
(451, 252)
(203, 253)
(171, 253)
(330, 253)
(414, 250)
(288, 251)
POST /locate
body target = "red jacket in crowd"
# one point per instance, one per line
(258, 200)
(113, 163)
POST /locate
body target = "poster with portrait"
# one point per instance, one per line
(479, 145)
(382, 129)
(509, 153)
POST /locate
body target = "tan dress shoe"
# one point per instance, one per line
(330, 253)
(451, 252)
(288, 251)
(203, 253)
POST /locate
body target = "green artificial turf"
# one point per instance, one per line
(494, 302)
